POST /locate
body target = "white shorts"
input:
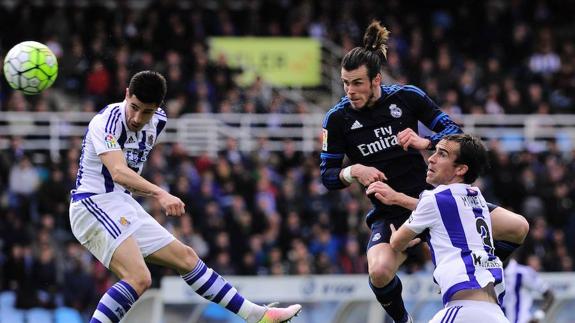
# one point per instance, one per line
(470, 312)
(103, 221)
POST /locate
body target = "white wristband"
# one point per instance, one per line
(347, 175)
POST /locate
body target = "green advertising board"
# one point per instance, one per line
(280, 61)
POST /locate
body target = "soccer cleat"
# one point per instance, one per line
(279, 314)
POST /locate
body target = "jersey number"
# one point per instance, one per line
(483, 229)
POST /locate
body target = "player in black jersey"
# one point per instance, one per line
(375, 126)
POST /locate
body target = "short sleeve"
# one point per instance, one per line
(104, 135)
(424, 216)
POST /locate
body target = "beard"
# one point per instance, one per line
(369, 98)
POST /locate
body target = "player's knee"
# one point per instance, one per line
(523, 230)
(145, 280)
(380, 276)
(517, 232)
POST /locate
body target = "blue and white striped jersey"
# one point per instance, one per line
(108, 131)
(522, 284)
(460, 239)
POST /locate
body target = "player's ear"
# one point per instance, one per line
(461, 170)
(377, 79)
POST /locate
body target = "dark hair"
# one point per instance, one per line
(373, 52)
(148, 87)
(472, 153)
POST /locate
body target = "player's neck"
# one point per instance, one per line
(375, 95)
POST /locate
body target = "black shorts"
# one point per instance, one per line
(381, 232)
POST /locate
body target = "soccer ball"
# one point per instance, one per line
(30, 67)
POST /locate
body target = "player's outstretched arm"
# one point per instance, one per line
(123, 175)
(388, 196)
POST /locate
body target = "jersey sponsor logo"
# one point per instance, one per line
(395, 111)
(110, 141)
(356, 125)
(385, 139)
(376, 237)
(324, 139)
(134, 157)
(484, 261)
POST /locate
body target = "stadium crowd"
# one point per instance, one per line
(522, 61)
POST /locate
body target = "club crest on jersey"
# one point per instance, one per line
(150, 140)
(395, 111)
(471, 192)
(123, 221)
(324, 139)
(110, 141)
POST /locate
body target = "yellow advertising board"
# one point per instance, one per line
(280, 61)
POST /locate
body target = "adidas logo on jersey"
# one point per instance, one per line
(356, 125)
(131, 140)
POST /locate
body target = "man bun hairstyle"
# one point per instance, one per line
(373, 52)
(148, 87)
(472, 153)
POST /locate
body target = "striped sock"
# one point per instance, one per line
(115, 303)
(213, 287)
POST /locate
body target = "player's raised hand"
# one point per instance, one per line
(366, 175)
(172, 205)
(408, 138)
(383, 192)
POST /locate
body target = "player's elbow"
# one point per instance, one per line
(118, 173)
(332, 183)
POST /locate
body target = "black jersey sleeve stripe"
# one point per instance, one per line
(330, 168)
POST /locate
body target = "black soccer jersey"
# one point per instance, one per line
(369, 137)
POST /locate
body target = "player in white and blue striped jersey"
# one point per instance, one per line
(110, 223)
(523, 283)
(458, 225)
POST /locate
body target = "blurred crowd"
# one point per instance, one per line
(267, 213)
(494, 57)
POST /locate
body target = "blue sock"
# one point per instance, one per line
(213, 287)
(390, 298)
(115, 303)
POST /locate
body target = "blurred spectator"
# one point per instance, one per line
(23, 184)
